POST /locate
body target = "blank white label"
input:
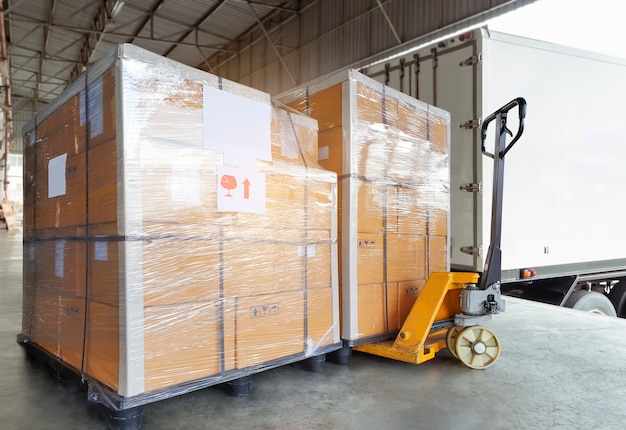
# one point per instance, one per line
(59, 256)
(102, 251)
(236, 126)
(310, 251)
(322, 153)
(56, 176)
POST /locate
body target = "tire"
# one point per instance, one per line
(591, 301)
(617, 296)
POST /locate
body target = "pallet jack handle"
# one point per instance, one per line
(492, 269)
(503, 113)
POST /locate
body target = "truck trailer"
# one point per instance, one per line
(562, 233)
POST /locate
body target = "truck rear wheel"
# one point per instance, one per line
(591, 301)
(617, 296)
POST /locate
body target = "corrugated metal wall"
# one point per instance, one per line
(330, 35)
(23, 111)
(324, 37)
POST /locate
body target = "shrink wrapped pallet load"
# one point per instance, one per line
(179, 231)
(390, 152)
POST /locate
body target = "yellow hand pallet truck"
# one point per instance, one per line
(451, 306)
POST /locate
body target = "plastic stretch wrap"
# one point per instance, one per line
(179, 231)
(391, 154)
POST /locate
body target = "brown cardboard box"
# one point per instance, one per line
(408, 213)
(276, 267)
(371, 310)
(60, 266)
(60, 132)
(318, 276)
(406, 257)
(371, 200)
(180, 271)
(181, 343)
(323, 106)
(330, 150)
(269, 326)
(102, 355)
(438, 253)
(43, 321)
(319, 199)
(170, 282)
(391, 156)
(102, 183)
(369, 258)
(71, 330)
(104, 264)
(320, 316)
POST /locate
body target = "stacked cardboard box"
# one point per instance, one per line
(391, 154)
(178, 230)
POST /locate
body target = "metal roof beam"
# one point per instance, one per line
(106, 13)
(149, 18)
(195, 26)
(123, 35)
(269, 39)
(391, 26)
(272, 5)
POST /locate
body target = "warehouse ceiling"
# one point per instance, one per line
(51, 42)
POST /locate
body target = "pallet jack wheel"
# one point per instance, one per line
(477, 347)
(451, 336)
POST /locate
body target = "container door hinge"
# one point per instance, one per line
(474, 59)
(472, 188)
(472, 250)
(473, 123)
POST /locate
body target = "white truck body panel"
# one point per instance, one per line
(564, 185)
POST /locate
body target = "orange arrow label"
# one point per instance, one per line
(246, 189)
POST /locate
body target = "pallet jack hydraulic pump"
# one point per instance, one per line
(452, 305)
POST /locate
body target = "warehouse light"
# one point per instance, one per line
(117, 8)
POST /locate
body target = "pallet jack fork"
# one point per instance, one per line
(448, 311)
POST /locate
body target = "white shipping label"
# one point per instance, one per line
(288, 141)
(59, 256)
(102, 250)
(185, 181)
(56, 176)
(236, 126)
(322, 153)
(240, 190)
(310, 251)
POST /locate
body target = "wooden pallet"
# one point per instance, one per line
(7, 215)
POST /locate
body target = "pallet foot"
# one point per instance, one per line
(237, 387)
(127, 419)
(312, 364)
(341, 356)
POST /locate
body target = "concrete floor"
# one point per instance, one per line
(559, 369)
